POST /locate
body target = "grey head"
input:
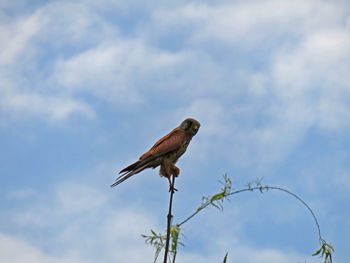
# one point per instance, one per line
(190, 126)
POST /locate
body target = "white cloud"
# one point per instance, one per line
(215, 125)
(115, 236)
(127, 247)
(86, 225)
(303, 82)
(257, 75)
(212, 115)
(79, 198)
(109, 71)
(83, 54)
(14, 37)
(250, 255)
(23, 95)
(83, 223)
(218, 238)
(17, 250)
(69, 199)
(250, 23)
(313, 75)
(55, 108)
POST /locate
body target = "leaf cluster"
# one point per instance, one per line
(257, 184)
(158, 241)
(325, 251)
(155, 240)
(174, 232)
(217, 200)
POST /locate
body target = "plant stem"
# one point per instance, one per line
(261, 188)
(169, 219)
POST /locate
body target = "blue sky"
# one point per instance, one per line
(88, 86)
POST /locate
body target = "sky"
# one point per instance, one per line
(87, 86)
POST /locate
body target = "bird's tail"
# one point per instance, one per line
(122, 178)
(130, 171)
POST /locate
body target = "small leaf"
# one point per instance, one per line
(174, 232)
(216, 197)
(249, 185)
(317, 252)
(225, 258)
(328, 245)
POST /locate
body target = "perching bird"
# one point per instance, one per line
(164, 152)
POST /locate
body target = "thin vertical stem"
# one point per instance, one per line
(174, 256)
(169, 219)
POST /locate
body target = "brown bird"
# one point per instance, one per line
(165, 152)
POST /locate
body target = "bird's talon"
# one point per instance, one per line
(172, 189)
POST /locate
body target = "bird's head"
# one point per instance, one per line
(190, 126)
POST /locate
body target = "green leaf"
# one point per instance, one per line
(317, 252)
(328, 245)
(217, 197)
(174, 232)
(225, 258)
(326, 252)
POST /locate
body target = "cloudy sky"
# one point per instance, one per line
(87, 86)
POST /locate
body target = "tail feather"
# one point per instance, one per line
(134, 168)
(122, 178)
(130, 167)
(130, 171)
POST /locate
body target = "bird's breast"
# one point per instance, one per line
(175, 155)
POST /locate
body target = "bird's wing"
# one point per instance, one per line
(168, 143)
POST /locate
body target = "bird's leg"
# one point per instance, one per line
(168, 170)
(171, 186)
(176, 171)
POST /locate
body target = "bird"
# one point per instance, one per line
(164, 153)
